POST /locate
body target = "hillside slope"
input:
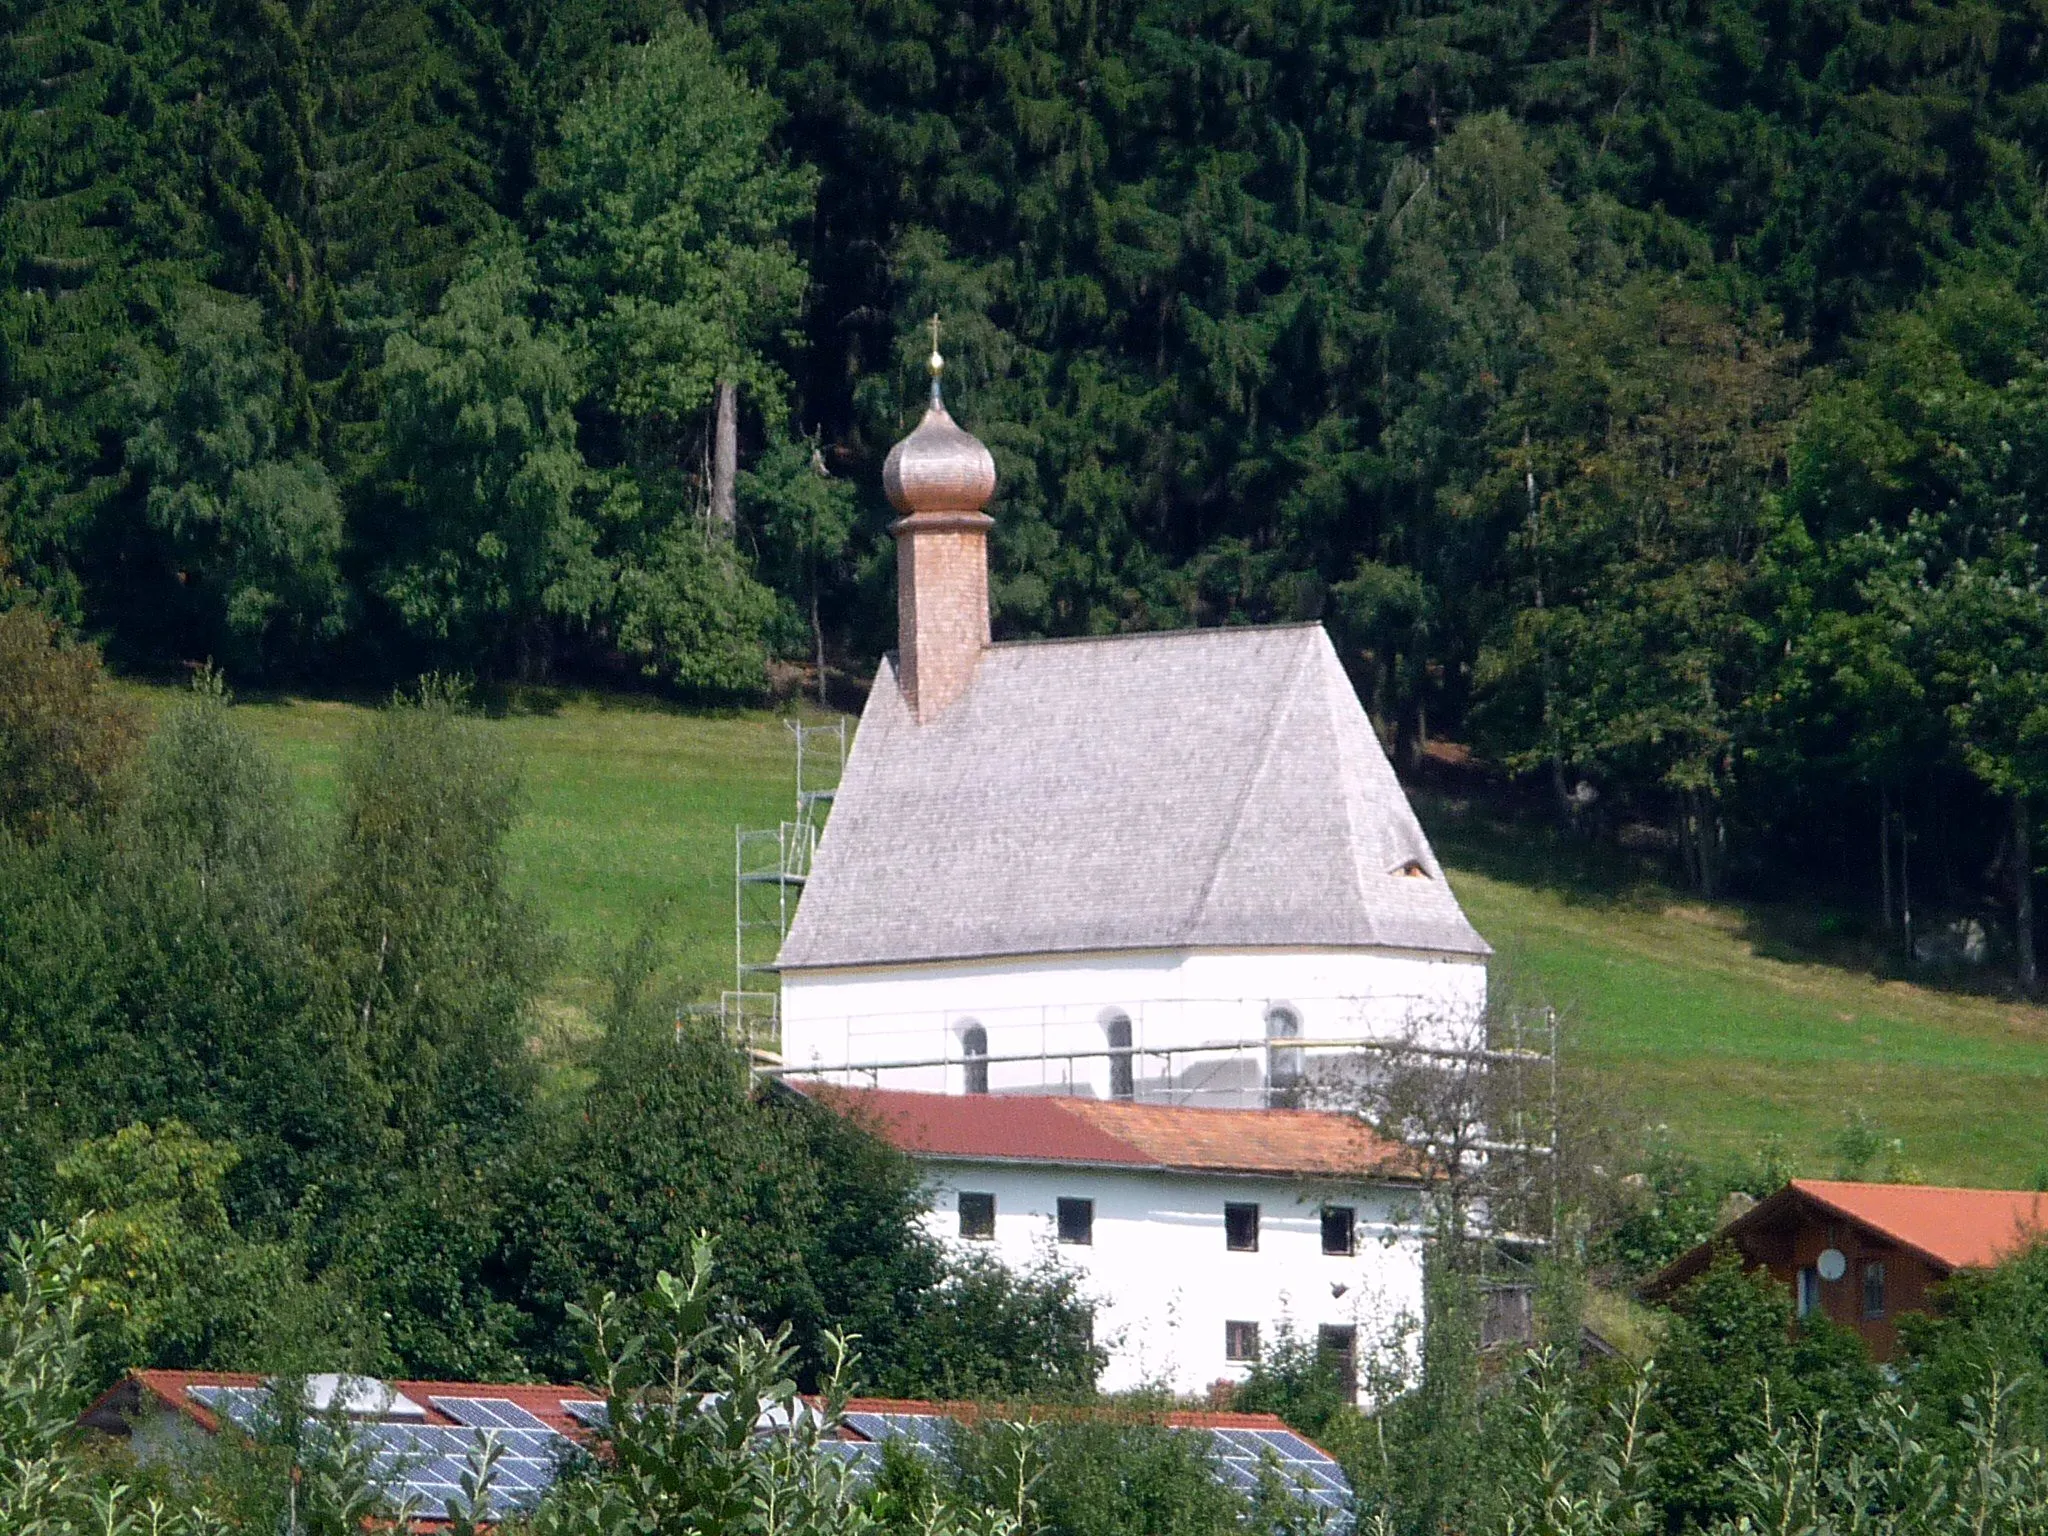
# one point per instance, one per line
(1690, 1012)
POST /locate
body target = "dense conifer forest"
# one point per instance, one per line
(1648, 394)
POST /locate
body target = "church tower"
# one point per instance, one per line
(939, 477)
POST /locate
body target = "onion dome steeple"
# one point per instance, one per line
(939, 478)
(940, 466)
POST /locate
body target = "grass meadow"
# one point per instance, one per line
(1701, 1018)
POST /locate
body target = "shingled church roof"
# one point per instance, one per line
(1213, 788)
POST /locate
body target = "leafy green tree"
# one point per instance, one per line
(64, 738)
(430, 956)
(481, 482)
(667, 219)
(1639, 458)
(692, 615)
(251, 521)
(167, 1280)
(1731, 1358)
(806, 517)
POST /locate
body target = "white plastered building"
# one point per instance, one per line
(1201, 1236)
(1115, 867)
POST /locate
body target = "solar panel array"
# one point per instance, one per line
(422, 1465)
(1242, 1457)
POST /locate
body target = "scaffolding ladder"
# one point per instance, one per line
(769, 868)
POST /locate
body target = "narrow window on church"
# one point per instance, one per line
(1241, 1228)
(974, 1047)
(1122, 1084)
(1340, 1229)
(977, 1215)
(1284, 1069)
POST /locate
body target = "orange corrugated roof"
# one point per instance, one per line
(1092, 1131)
(1959, 1228)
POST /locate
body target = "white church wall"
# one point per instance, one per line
(1163, 1278)
(1175, 1000)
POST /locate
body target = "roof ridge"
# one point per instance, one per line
(1354, 834)
(1282, 698)
(1185, 631)
(1932, 1189)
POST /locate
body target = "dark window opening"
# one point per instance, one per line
(977, 1216)
(1809, 1291)
(1873, 1290)
(1340, 1229)
(1241, 1228)
(1122, 1085)
(1337, 1347)
(974, 1046)
(1240, 1341)
(1077, 1221)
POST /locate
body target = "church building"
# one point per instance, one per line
(1173, 868)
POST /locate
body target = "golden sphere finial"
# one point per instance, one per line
(939, 467)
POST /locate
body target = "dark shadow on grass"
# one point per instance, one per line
(1502, 841)
(1480, 822)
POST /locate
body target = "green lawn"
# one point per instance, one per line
(1699, 1017)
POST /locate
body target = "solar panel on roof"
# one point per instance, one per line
(245, 1407)
(592, 1415)
(489, 1413)
(1286, 1445)
(923, 1429)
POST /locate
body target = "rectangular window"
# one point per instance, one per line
(1873, 1290)
(1241, 1228)
(977, 1216)
(1340, 1229)
(1077, 1221)
(1338, 1348)
(1809, 1291)
(1240, 1341)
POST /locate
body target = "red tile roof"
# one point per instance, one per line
(1951, 1228)
(997, 1128)
(169, 1389)
(544, 1402)
(1956, 1228)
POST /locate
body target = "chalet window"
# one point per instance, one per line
(1122, 1085)
(1240, 1341)
(977, 1216)
(1809, 1291)
(1338, 1348)
(1873, 1290)
(1241, 1228)
(974, 1047)
(1077, 1221)
(1340, 1229)
(1284, 1068)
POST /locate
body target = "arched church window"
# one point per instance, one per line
(974, 1051)
(1284, 1064)
(1116, 1028)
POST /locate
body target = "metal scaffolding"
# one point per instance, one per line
(769, 868)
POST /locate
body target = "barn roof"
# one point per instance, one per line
(1952, 1228)
(1209, 788)
(1099, 1133)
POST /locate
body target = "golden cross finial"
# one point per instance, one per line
(936, 364)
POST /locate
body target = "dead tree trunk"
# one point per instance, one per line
(725, 460)
(2023, 883)
(1884, 849)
